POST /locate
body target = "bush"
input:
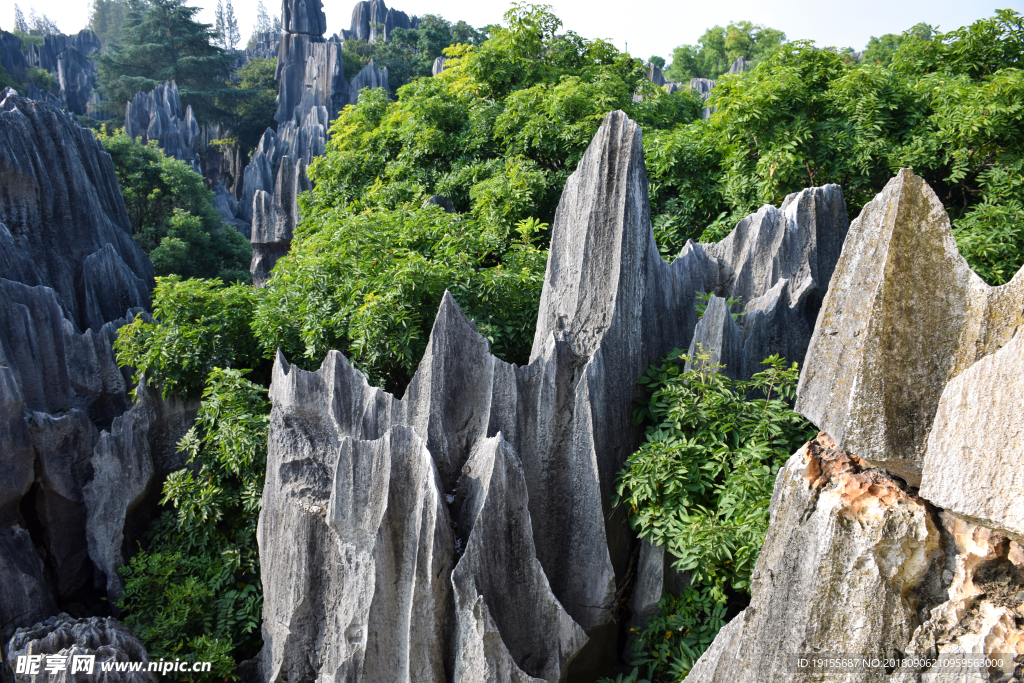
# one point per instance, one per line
(172, 214)
(195, 590)
(197, 325)
(700, 486)
(370, 285)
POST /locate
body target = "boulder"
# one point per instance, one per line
(902, 303)
(60, 203)
(158, 116)
(531, 446)
(104, 638)
(972, 465)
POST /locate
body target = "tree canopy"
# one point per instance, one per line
(161, 41)
(719, 47)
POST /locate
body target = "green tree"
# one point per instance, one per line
(172, 214)
(160, 41)
(700, 486)
(254, 102)
(719, 47)
(194, 591)
(106, 18)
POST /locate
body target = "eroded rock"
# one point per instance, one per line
(610, 306)
(158, 115)
(846, 549)
(104, 638)
(275, 217)
(902, 303)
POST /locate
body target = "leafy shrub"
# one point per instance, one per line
(700, 486)
(370, 285)
(195, 590)
(172, 214)
(197, 325)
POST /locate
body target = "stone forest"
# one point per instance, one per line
(422, 352)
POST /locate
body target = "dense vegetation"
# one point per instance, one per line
(409, 53)
(172, 214)
(719, 47)
(700, 486)
(498, 133)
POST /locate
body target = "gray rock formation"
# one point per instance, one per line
(104, 638)
(739, 66)
(372, 20)
(914, 368)
(972, 464)
(655, 76)
(259, 174)
(842, 541)
(275, 217)
(900, 287)
(12, 59)
(369, 77)
(303, 16)
(61, 205)
(438, 65)
(68, 59)
(158, 116)
(514, 452)
(141, 444)
(268, 44)
(438, 200)
(70, 276)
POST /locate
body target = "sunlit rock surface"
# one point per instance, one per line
(517, 462)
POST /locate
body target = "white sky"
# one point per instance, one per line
(650, 28)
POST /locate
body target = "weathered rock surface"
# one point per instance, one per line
(372, 20)
(60, 203)
(259, 174)
(70, 276)
(11, 57)
(535, 447)
(140, 444)
(303, 16)
(275, 217)
(739, 66)
(903, 303)
(268, 44)
(105, 638)
(158, 116)
(438, 65)
(972, 463)
(842, 541)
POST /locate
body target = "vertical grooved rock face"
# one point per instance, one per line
(525, 552)
(60, 205)
(904, 315)
(159, 116)
(275, 217)
(845, 550)
(972, 464)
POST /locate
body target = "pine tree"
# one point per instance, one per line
(220, 25)
(106, 18)
(19, 20)
(231, 34)
(161, 41)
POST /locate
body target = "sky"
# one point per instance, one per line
(653, 28)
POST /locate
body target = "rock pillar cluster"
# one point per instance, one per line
(463, 531)
(896, 533)
(76, 460)
(158, 115)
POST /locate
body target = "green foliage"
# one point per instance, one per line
(700, 486)
(42, 79)
(198, 325)
(160, 41)
(370, 285)
(656, 61)
(523, 106)
(253, 101)
(719, 47)
(195, 591)
(949, 106)
(409, 53)
(172, 214)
